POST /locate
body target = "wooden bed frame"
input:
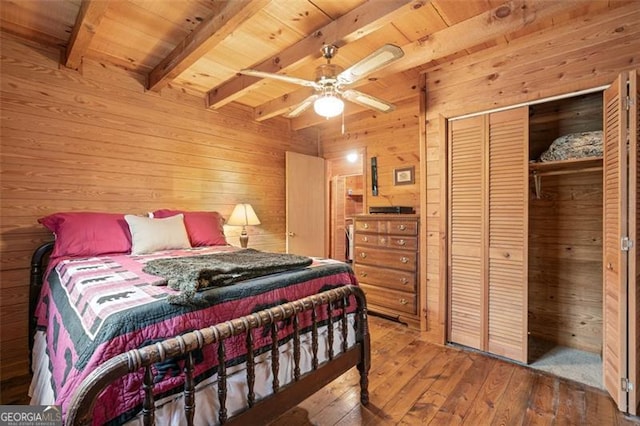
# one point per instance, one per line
(283, 397)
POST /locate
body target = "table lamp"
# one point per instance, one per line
(243, 215)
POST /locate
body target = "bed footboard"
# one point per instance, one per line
(282, 397)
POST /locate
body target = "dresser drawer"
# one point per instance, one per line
(371, 225)
(390, 299)
(387, 278)
(392, 241)
(397, 259)
(391, 227)
(367, 239)
(384, 240)
(402, 227)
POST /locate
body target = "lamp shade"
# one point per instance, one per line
(328, 106)
(243, 215)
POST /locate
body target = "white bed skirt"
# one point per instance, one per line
(170, 410)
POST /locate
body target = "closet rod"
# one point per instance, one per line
(536, 175)
(566, 172)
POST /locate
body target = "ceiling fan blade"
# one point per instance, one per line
(368, 101)
(301, 107)
(285, 78)
(378, 59)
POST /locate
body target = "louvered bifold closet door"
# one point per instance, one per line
(634, 255)
(508, 226)
(614, 351)
(467, 286)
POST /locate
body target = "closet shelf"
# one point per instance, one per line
(566, 166)
(563, 167)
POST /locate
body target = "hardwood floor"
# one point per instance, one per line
(413, 382)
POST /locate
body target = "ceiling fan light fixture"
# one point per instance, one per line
(328, 106)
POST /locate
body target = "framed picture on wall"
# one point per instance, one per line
(404, 176)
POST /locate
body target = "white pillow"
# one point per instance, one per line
(149, 235)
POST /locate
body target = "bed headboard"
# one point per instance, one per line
(35, 284)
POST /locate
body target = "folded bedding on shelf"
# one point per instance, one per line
(574, 146)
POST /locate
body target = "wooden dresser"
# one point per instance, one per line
(386, 264)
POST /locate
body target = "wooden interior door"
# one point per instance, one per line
(508, 196)
(615, 220)
(467, 219)
(305, 205)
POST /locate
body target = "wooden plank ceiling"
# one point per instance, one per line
(200, 45)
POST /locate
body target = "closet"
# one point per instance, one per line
(545, 250)
(565, 225)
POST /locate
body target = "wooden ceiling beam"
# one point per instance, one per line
(87, 22)
(198, 43)
(356, 24)
(506, 18)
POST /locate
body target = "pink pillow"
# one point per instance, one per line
(88, 234)
(204, 228)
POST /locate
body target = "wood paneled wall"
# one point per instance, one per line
(583, 54)
(565, 260)
(391, 138)
(96, 141)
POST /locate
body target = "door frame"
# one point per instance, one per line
(330, 175)
(633, 311)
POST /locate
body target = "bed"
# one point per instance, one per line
(115, 344)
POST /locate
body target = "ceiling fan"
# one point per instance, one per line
(332, 81)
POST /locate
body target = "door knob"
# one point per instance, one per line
(292, 234)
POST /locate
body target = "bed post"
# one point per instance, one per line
(35, 284)
(363, 336)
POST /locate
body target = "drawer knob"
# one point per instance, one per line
(402, 242)
(365, 226)
(404, 259)
(402, 227)
(365, 239)
(404, 280)
(363, 274)
(383, 240)
(403, 301)
(363, 255)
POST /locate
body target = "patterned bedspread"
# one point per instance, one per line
(95, 308)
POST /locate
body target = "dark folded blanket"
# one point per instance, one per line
(190, 274)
